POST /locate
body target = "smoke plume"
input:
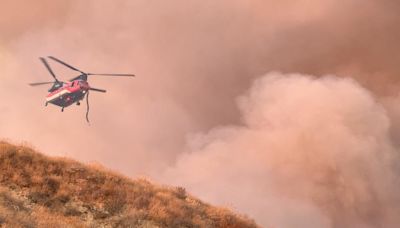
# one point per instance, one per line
(310, 150)
(310, 153)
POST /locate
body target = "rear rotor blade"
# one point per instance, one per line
(117, 75)
(40, 83)
(65, 64)
(48, 68)
(98, 90)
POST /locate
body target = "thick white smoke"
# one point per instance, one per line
(310, 153)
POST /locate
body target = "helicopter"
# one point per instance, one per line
(64, 94)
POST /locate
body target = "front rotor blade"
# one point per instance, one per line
(48, 68)
(65, 64)
(40, 83)
(117, 75)
(97, 90)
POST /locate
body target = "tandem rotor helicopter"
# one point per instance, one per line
(64, 94)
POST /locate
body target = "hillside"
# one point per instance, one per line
(38, 191)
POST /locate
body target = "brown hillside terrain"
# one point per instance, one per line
(38, 191)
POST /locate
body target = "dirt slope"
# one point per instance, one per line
(38, 191)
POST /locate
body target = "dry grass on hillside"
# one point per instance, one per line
(37, 191)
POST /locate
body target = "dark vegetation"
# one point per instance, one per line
(38, 191)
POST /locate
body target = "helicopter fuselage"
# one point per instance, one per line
(68, 94)
(64, 94)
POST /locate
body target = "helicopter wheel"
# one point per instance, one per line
(78, 103)
(62, 110)
(45, 104)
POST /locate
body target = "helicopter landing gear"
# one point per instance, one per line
(45, 104)
(62, 110)
(78, 103)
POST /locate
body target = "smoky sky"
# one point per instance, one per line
(195, 62)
